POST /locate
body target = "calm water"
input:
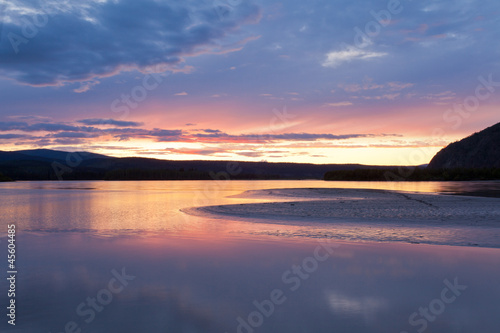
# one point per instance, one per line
(150, 268)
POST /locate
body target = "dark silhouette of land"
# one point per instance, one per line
(4, 178)
(415, 174)
(44, 164)
(480, 150)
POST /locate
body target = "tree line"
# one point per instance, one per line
(414, 174)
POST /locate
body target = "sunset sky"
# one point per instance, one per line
(372, 82)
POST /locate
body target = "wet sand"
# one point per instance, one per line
(477, 216)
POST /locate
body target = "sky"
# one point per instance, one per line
(371, 82)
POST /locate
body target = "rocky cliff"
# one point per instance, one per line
(480, 150)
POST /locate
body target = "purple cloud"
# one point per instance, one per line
(80, 43)
(112, 122)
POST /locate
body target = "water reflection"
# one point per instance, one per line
(484, 188)
(194, 285)
(155, 205)
(199, 275)
(142, 208)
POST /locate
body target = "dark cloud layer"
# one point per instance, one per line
(69, 134)
(90, 40)
(13, 136)
(219, 136)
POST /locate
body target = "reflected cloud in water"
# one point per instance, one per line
(196, 285)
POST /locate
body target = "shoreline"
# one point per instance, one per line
(360, 214)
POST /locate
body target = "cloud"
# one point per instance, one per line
(369, 90)
(396, 86)
(249, 153)
(88, 40)
(162, 135)
(350, 87)
(117, 123)
(75, 135)
(157, 134)
(56, 127)
(30, 117)
(62, 133)
(212, 151)
(267, 138)
(390, 97)
(339, 104)
(47, 127)
(12, 125)
(368, 84)
(181, 94)
(14, 136)
(442, 96)
(187, 151)
(208, 130)
(421, 29)
(348, 54)
(68, 141)
(86, 86)
(162, 132)
(217, 136)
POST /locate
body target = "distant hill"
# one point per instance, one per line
(480, 150)
(44, 164)
(58, 155)
(43, 155)
(4, 178)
